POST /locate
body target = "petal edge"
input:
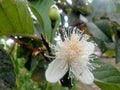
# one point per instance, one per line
(56, 70)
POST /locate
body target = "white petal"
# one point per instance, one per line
(88, 48)
(84, 75)
(56, 70)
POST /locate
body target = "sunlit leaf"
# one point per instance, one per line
(15, 18)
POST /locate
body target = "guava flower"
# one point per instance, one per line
(72, 54)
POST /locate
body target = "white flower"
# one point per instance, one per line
(72, 54)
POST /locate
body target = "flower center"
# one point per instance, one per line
(73, 47)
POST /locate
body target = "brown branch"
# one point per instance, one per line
(26, 46)
(46, 44)
(22, 44)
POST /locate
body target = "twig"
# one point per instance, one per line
(26, 46)
(23, 44)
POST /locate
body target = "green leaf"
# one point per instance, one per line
(106, 72)
(42, 7)
(15, 18)
(7, 74)
(96, 32)
(107, 86)
(38, 16)
(104, 27)
(106, 75)
(38, 30)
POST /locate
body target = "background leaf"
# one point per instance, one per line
(105, 27)
(39, 71)
(38, 16)
(115, 18)
(7, 74)
(42, 7)
(107, 86)
(107, 75)
(96, 32)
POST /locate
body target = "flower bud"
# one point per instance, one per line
(54, 13)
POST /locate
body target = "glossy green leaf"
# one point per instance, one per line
(15, 18)
(106, 75)
(106, 72)
(7, 74)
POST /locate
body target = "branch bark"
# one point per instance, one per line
(35, 51)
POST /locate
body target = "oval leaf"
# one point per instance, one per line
(96, 32)
(107, 76)
(15, 18)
